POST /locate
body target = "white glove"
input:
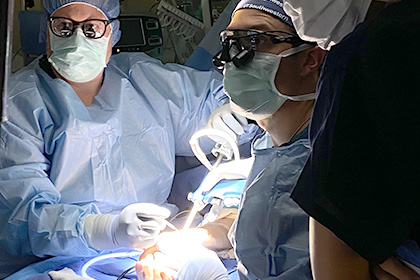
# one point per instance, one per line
(137, 226)
(224, 119)
(65, 274)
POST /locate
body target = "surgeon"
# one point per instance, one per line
(270, 76)
(360, 183)
(87, 156)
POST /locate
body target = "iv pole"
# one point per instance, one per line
(6, 27)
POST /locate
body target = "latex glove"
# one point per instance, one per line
(224, 119)
(65, 274)
(137, 226)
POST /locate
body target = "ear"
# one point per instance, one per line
(109, 49)
(314, 59)
(47, 43)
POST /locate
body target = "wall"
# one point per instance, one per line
(17, 62)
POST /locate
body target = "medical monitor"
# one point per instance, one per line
(139, 33)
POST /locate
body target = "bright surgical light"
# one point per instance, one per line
(183, 242)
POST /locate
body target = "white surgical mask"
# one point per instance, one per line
(252, 90)
(326, 22)
(78, 58)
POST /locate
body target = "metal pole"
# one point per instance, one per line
(206, 11)
(7, 56)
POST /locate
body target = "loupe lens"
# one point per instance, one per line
(243, 58)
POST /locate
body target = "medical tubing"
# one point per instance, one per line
(179, 214)
(104, 257)
(171, 226)
(125, 272)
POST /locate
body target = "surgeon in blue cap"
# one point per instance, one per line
(87, 156)
(270, 76)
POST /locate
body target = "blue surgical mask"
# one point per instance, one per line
(78, 58)
(252, 90)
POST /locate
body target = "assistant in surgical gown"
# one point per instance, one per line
(270, 234)
(61, 160)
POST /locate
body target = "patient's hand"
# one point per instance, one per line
(218, 234)
(150, 267)
(395, 270)
(180, 254)
(163, 260)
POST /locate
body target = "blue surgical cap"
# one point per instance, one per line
(111, 8)
(273, 7)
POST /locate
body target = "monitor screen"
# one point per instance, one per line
(132, 32)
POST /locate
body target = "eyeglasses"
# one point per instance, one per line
(239, 45)
(92, 28)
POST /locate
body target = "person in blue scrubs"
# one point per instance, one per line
(274, 85)
(87, 155)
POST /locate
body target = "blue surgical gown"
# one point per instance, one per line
(61, 160)
(270, 235)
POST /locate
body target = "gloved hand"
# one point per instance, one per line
(224, 119)
(65, 274)
(137, 226)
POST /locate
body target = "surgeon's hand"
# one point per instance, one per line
(137, 226)
(224, 119)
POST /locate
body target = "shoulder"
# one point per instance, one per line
(132, 57)
(136, 61)
(26, 80)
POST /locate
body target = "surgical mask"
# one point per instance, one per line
(78, 58)
(252, 90)
(326, 22)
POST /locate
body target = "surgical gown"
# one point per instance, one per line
(270, 235)
(61, 160)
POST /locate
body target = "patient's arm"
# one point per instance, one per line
(218, 231)
(331, 258)
(394, 269)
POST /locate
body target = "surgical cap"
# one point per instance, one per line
(111, 8)
(273, 7)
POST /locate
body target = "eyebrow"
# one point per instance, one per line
(259, 27)
(265, 27)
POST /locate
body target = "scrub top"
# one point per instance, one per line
(270, 234)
